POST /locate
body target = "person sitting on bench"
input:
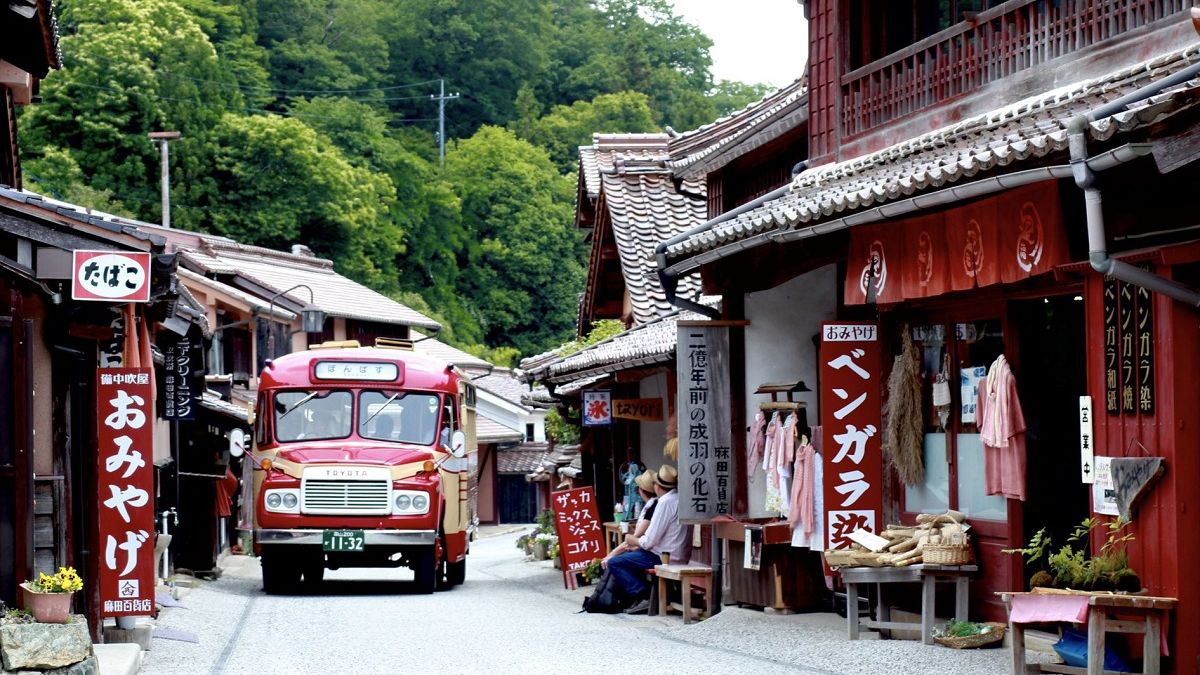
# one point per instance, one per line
(645, 487)
(664, 536)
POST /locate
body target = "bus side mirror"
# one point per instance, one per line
(458, 444)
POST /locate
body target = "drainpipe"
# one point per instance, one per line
(1085, 178)
(670, 283)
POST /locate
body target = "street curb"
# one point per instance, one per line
(118, 658)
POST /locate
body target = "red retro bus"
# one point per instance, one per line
(363, 457)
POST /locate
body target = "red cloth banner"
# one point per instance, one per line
(1002, 239)
(125, 474)
(851, 414)
(580, 536)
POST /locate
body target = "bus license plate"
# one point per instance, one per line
(341, 541)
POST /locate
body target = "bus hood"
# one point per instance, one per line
(390, 455)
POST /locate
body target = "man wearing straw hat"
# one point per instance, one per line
(666, 540)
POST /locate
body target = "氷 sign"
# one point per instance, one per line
(597, 408)
(108, 276)
(125, 475)
(851, 413)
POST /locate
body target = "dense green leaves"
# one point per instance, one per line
(311, 122)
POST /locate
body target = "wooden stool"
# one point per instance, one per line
(688, 576)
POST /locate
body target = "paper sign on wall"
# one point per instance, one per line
(1104, 493)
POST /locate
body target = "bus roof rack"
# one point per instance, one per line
(336, 344)
(394, 343)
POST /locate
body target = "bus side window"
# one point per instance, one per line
(449, 422)
(260, 423)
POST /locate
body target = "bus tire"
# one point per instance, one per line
(456, 572)
(279, 576)
(314, 572)
(425, 570)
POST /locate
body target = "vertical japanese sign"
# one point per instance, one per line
(126, 490)
(179, 393)
(1145, 351)
(597, 408)
(1125, 316)
(1111, 327)
(1087, 451)
(705, 434)
(851, 368)
(580, 537)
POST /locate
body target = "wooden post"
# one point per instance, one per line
(961, 598)
(1096, 628)
(1152, 642)
(852, 610)
(928, 593)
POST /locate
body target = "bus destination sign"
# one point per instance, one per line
(367, 371)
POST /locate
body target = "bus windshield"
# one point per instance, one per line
(398, 416)
(312, 415)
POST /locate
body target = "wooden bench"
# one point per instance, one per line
(1105, 614)
(926, 575)
(687, 576)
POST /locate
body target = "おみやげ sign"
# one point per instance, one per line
(851, 367)
(125, 474)
(109, 276)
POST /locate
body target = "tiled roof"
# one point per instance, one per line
(646, 209)
(575, 386)
(711, 146)
(503, 383)
(53, 209)
(214, 402)
(433, 347)
(589, 170)
(253, 302)
(1029, 129)
(523, 459)
(488, 430)
(649, 343)
(277, 271)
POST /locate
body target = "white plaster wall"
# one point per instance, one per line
(779, 347)
(653, 435)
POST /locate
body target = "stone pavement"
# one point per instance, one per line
(510, 616)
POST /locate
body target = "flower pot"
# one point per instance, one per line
(540, 549)
(47, 607)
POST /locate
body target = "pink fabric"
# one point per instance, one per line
(756, 444)
(1038, 607)
(1002, 431)
(801, 513)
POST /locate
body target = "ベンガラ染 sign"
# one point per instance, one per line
(705, 435)
(851, 368)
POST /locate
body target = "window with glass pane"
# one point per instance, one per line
(312, 415)
(398, 416)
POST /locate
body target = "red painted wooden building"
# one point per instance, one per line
(995, 179)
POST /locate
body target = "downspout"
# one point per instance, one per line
(1085, 178)
(670, 282)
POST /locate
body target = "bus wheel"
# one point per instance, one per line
(425, 569)
(456, 572)
(279, 575)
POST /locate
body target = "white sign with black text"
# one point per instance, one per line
(1087, 451)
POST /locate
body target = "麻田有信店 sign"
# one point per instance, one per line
(109, 276)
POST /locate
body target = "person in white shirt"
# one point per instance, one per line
(665, 537)
(645, 487)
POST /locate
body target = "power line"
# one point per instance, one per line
(301, 91)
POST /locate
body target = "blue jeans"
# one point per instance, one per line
(629, 571)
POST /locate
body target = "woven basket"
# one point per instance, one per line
(996, 634)
(954, 550)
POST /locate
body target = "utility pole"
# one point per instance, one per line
(441, 97)
(162, 138)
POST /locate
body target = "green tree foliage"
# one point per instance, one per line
(565, 128)
(338, 45)
(730, 96)
(523, 255)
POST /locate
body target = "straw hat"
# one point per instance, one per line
(667, 478)
(646, 480)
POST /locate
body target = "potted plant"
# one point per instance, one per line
(49, 597)
(1072, 568)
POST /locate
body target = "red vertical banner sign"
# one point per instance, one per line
(851, 370)
(580, 536)
(126, 490)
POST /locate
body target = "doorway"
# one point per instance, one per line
(518, 499)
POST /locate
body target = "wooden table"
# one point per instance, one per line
(691, 574)
(612, 536)
(1147, 610)
(926, 575)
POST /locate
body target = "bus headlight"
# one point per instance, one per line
(410, 503)
(283, 501)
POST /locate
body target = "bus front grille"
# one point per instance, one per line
(358, 497)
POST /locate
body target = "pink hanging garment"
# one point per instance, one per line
(756, 443)
(771, 463)
(784, 460)
(801, 513)
(1002, 432)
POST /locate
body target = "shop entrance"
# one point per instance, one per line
(1052, 360)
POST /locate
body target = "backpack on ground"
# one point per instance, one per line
(607, 597)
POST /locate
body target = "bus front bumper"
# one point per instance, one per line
(371, 537)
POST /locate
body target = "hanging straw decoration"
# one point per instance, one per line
(904, 433)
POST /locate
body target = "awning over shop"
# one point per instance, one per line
(522, 459)
(490, 431)
(1002, 239)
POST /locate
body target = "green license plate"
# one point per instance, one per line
(343, 541)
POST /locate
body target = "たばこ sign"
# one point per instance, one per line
(108, 276)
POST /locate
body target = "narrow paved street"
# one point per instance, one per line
(510, 616)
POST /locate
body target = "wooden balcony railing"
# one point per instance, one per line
(993, 44)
